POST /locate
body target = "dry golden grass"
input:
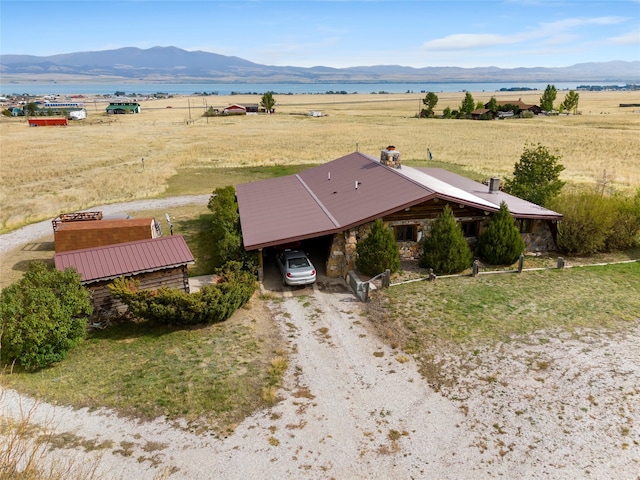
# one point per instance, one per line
(45, 171)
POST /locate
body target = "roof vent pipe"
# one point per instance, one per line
(494, 184)
(356, 184)
(328, 175)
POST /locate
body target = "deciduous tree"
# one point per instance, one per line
(468, 105)
(430, 101)
(536, 177)
(43, 316)
(268, 102)
(570, 102)
(548, 97)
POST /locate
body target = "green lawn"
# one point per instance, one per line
(496, 307)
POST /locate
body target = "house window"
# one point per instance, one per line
(469, 229)
(406, 233)
(524, 225)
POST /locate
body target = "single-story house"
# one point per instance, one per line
(75, 231)
(520, 104)
(156, 262)
(336, 202)
(117, 108)
(483, 114)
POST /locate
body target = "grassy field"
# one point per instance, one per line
(209, 376)
(46, 171)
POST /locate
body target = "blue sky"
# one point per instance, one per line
(339, 33)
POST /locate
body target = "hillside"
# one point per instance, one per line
(177, 65)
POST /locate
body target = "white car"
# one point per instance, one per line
(295, 267)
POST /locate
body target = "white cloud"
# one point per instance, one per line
(631, 38)
(464, 41)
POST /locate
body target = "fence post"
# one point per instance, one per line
(476, 268)
(432, 276)
(520, 263)
(386, 278)
(560, 262)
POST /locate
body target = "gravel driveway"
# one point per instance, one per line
(567, 407)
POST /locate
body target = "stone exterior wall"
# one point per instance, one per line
(342, 253)
(540, 239)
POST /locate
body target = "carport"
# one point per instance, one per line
(316, 248)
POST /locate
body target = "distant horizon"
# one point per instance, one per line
(327, 66)
(505, 34)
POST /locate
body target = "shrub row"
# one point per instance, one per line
(212, 304)
(593, 223)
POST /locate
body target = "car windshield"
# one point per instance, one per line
(298, 262)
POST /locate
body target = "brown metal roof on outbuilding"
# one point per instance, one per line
(124, 259)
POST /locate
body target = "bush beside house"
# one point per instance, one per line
(445, 249)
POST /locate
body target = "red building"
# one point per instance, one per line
(47, 121)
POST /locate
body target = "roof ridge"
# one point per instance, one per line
(317, 200)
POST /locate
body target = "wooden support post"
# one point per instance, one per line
(520, 263)
(476, 268)
(560, 262)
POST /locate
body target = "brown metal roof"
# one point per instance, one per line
(324, 199)
(321, 200)
(123, 259)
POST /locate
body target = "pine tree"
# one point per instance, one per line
(445, 249)
(378, 251)
(501, 242)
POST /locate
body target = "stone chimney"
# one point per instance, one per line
(390, 157)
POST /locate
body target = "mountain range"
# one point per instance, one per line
(171, 64)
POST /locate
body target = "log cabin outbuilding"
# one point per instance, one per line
(337, 202)
(156, 262)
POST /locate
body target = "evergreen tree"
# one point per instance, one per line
(501, 242)
(378, 251)
(445, 249)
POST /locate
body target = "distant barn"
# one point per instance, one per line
(48, 121)
(116, 108)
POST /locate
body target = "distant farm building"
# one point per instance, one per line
(81, 230)
(48, 121)
(155, 263)
(518, 105)
(116, 108)
(235, 109)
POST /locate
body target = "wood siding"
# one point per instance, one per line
(104, 303)
(431, 209)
